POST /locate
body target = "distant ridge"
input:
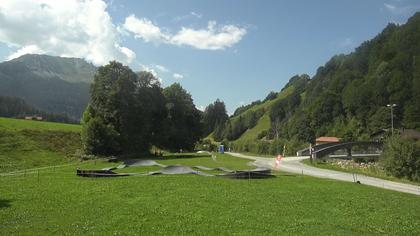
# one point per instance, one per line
(53, 84)
(69, 69)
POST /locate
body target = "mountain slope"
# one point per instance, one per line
(52, 84)
(347, 97)
(65, 68)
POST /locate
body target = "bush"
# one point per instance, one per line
(99, 138)
(276, 147)
(401, 158)
(206, 145)
(263, 147)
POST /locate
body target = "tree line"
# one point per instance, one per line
(15, 107)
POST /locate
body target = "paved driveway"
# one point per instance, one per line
(294, 165)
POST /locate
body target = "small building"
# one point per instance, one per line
(322, 140)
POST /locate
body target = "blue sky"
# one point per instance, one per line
(237, 51)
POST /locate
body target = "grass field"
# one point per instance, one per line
(54, 201)
(59, 202)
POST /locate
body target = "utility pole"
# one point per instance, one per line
(392, 116)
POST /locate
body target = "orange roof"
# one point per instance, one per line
(328, 139)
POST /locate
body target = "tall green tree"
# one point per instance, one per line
(124, 113)
(182, 125)
(214, 115)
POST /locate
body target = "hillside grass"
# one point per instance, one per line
(252, 134)
(264, 122)
(19, 124)
(59, 202)
(31, 144)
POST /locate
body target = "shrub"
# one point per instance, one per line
(99, 138)
(401, 158)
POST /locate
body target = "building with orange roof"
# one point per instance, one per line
(322, 140)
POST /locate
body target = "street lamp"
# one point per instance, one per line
(392, 116)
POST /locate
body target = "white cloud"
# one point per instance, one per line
(201, 108)
(76, 28)
(130, 55)
(162, 68)
(155, 68)
(390, 7)
(188, 16)
(149, 69)
(159, 70)
(346, 43)
(177, 76)
(196, 15)
(144, 29)
(30, 49)
(210, 38)
(401, 10)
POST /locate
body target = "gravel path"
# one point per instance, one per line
(294, 165)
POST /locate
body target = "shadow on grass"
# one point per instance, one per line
(179, 156)
(287, 175)
(5, 203)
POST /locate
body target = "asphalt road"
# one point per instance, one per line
(294, 165)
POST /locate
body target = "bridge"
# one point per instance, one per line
(321, 150)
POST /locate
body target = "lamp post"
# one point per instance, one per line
(392, 116)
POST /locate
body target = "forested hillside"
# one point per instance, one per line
(347, 97)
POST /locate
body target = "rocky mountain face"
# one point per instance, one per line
(65, 68)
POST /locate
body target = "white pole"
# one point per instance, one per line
(392, 116)
(392, 120)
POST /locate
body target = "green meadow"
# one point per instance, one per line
(31, 144)
(54, 201)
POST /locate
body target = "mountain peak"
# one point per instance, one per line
(69, 69)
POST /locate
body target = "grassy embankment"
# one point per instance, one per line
(30, 144)
(373, 171)
(56, 201)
